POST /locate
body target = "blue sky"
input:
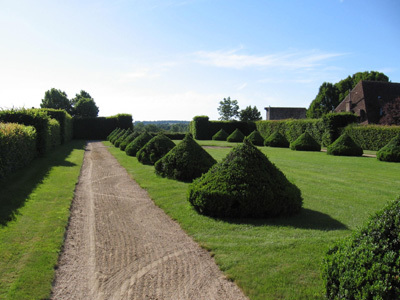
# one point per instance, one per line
(175, 59)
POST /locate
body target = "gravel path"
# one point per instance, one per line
(119, 245)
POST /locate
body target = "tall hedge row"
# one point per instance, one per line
(17, 147)
(65, 121)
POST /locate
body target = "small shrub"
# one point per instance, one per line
(117, 136)
(155, 149)
(244, 184)
(305, 142)
(185, 162)
(367, 265)
(128, 140)
(236, 136)
(115, 131)
(220, 135)
(345, 146)
(134, 146)
(276, 140)
(391, 152)
(122, 137)
(256, 138)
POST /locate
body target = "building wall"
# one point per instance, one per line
(282, 113)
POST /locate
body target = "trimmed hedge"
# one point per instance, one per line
(244, 184)
(305, 142)
(391, 152)
(17, 147)
(256, 138)
(367, 265)
(334, 123)
(118, 142)
(276, 140)
(155, 149)
(65, 121)
(185, 162)
(134, 146)
(345, 146)
(115, 131)
(221, 135)
(54, 134)
(128, 140)
(236, 136)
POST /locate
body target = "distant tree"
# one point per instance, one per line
(79, 96)
(228, 109)
(250, 114)
(391, 113)
(56, 99)
(86, 108)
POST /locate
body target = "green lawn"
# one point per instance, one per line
(281, 258)
(34, 210)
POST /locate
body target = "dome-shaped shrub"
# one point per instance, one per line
(156, 148)
(128, 140)
(115, 131)
(276, 139)
(305, 142)
(244, 184)
(220, 135)
(391, 152)
(137, 143)
(366, 265)
(236, 136)
(256, 138)
(185, 162)
(117, 136)
(122, 138)
(345, 146)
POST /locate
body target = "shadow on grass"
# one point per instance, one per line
(17, 188)
(306, 219)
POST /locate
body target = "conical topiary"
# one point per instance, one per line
(137, 143)
(256, 138)
(156, 148)
(220, 135)
(185, 162)
(117, 136)
(345, 146)
(305, 142)
(236, 136)
(276, 139)
(112, 133)
(390, 152)
(244, 184)
(122, 137)
(128, 139)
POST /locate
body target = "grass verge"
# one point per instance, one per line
(34, 209)
(281, 258)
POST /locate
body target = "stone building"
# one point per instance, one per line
(282, 113)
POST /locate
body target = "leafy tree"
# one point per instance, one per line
(391, 113)
(79, 96)
(56, 99)
(86, 108)
(228, 109)
(250, 114)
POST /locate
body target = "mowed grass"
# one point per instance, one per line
(281, 258)
(34, 210)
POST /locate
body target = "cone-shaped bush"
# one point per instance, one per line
(236, 136)
(117, 136)
(305, 142)
(112, 133)
(128, 139)
(156, 148)
(244, 184)
(220, 135)
(391, 152)
(276, 139)
(345, 146)
(137, 143)
(366, 265)
(256, 138)
(122, 138)
(185, 162)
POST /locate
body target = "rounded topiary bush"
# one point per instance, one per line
(244, 184)
(345, 146)
(117, 136)
(156, 148)
(220, 135)
(128, 140)
(115, 131)
(305, 142)
(367, 265)
(276, 139)
(236, 136)
(122, 138)
(137, 143)
(391, 152)
(185, 162)
(256, 138)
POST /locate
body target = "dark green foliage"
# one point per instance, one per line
(175, 135)
(276, 140)
(65, 121)
(220, 135)
(122, 138)
(244, 184)
(391, 152)
(56, 99)
(128, 139)
(305, 142)
(345, 146)
(155, 149)
(133, 147)
(185, 162)
(367, 265)
(86, 108)
(54, 135)
(115, 131)
(256, 138)
(236, 136)
(334, 123)
(117, 136)
(228, 109)
(250, 114)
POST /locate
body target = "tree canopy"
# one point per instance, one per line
(330, 95)
(250, 114)
(86, 107)
(228, 109)
(56, 99)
